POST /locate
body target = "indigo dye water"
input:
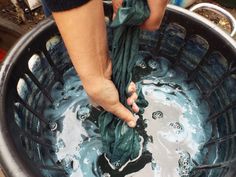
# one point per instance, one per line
(172, 124)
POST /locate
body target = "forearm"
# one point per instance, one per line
(157, 11)
(157, 6)
(84, 33)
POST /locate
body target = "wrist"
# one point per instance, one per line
(93, 84)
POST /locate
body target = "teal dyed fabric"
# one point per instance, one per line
(120, 142)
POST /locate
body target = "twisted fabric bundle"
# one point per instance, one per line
(121, 143)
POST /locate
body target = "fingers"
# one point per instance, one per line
(105, 94)
(151, 25)
(131, 100)
(157, 10)
(132, 87)
(116, 5)
(135, 108)
(123, 113)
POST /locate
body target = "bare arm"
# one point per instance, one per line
(84, 33)
(157, 10)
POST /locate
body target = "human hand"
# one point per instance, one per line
(88, 50)
(103, 92)
(157, 10)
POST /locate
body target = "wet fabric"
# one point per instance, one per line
(121, 143)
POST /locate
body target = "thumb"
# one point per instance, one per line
(123, 113)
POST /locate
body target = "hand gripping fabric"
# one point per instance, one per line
(121, 143)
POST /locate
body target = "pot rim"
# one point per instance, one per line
(207, 22)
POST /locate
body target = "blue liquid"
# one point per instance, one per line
(174, 118)
(182, 90)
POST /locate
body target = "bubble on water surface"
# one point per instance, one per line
(177, 127)
(185, 164)
(83, 113)
(153, 64)
(157, 115)
(61, 144)
(141, 63)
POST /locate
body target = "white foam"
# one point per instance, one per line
(166, 144)
(71, 136)
(123, 166)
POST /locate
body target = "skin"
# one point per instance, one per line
(84, 33)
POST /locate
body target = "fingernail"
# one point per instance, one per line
(135, 108)
(129, 101)
(131, 124)
(132, 87)
(113, 16)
